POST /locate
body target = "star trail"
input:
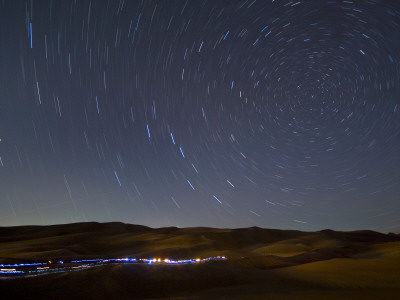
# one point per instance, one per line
(278, 114)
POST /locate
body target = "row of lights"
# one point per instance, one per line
(41, 267)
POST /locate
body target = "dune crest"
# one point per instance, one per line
(285, 264)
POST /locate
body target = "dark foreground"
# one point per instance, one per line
(261, 264)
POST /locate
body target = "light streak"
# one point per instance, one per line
(172, 137)
(30, 33)
(215, 197)
(28, 269)
(180, 149)
(148, 131)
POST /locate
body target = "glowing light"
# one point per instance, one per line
(62, 266)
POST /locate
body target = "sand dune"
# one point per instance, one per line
(277, 264)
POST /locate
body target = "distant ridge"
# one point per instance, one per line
(81, 240)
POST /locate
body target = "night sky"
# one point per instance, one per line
(278, 114)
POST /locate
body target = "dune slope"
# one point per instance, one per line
(280, 264)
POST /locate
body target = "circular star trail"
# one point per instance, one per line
(281, 114)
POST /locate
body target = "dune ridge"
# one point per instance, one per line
(286, 264)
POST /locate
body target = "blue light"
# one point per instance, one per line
(77, 264)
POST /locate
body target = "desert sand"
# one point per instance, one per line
(261, 264)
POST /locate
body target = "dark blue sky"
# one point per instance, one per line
(279, 114)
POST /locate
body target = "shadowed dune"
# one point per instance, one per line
(280, 264)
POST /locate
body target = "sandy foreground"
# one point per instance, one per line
(262, 263)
